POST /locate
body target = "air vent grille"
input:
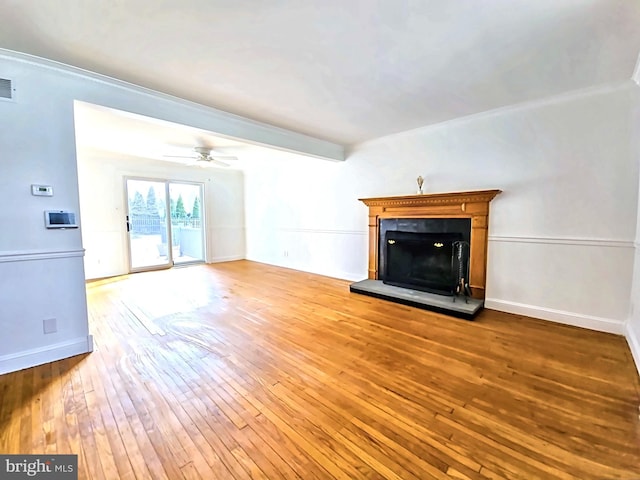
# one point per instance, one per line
(6, 89)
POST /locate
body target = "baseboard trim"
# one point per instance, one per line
(633, 341)
(230, 258)
(47, 354)
(338, 274)
(591, 322)
(352, 277)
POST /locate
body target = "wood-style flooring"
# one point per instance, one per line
(244, 370)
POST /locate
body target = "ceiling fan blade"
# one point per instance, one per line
(204, 157)
(180, 156)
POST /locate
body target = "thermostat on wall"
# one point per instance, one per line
(60, 219)
(42, 190)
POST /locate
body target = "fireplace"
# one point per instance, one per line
(442, 238)
(424, 261)
(425, 254)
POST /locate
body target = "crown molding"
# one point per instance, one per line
(560, 98)
(224, 123)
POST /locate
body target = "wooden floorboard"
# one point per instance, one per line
(243, 370)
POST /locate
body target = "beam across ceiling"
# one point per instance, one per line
(177, 110)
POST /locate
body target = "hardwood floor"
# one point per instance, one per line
(243, 370)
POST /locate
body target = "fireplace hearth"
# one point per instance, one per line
(424, 250)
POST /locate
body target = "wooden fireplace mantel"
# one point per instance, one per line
(473, 205)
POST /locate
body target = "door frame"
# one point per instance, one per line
(203, 216)
(169, 263)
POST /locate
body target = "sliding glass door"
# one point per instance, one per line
(185, 204)
(164, 223)
(146, 224)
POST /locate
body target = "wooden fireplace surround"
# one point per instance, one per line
(473, 205)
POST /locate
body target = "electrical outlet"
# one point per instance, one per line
(285, 253)
(50, 325)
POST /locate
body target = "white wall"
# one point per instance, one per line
(561, 233)
(302, 213)
(102, 206)
(41, 271)
(633, 324)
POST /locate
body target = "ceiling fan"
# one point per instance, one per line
(204, 156)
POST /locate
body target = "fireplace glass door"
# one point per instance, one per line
(422, 261)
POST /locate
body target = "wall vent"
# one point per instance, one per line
(7, 89)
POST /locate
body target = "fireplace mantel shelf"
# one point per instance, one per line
(450, 198)
(472, 204)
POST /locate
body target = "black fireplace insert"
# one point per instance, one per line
(430, 255)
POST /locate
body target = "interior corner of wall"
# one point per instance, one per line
(632, 336)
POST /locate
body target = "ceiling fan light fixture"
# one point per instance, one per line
(204, 154)
(203, 157)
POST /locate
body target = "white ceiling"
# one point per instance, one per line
(341, 70)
